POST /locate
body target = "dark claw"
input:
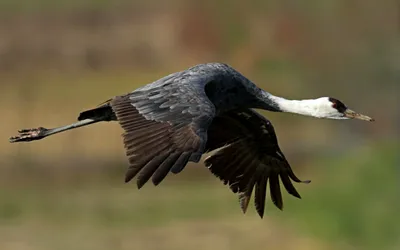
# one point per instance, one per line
(29, 134)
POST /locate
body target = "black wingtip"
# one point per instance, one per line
(130, 173)
(260, 213)
(278, 205)
(298, 196)
(244, 202)
(128, 178)
(140, 183)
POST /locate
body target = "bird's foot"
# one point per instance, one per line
(29, 135)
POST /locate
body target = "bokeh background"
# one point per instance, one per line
(60, 57)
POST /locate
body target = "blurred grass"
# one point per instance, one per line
(361, 213)
(8, 7)
(40, 5)
(357, 199)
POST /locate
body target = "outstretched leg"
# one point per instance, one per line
(33, 134)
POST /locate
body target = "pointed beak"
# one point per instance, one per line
(354, 115)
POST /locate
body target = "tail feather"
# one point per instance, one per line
(103, 112)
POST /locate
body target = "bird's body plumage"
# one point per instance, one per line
(178, 118)
(208, 107)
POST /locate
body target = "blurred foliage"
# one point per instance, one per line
(350, 204)
(60, 57)
(357, 201)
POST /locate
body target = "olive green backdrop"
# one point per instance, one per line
(60, 57)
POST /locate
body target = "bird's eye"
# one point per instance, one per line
(336, 104)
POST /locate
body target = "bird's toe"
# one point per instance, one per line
(28, 134)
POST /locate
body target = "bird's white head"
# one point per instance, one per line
(324, 107)
(332, 108)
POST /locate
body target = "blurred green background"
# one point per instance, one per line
(60, 57)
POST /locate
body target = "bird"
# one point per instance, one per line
(210, 109)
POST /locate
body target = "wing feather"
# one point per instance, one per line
(181, 162)
(164, 130)
(162, 170)
(260, 193)
(150, 168)
(247, 156)
(275, 190)
(245, 195)
(289, 186)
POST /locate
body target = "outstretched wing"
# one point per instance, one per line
(248, 157)
(165, 125)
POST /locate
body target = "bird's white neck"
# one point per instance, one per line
(309, 107)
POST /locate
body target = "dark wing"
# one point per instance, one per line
(248, 157)
(165, 125)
